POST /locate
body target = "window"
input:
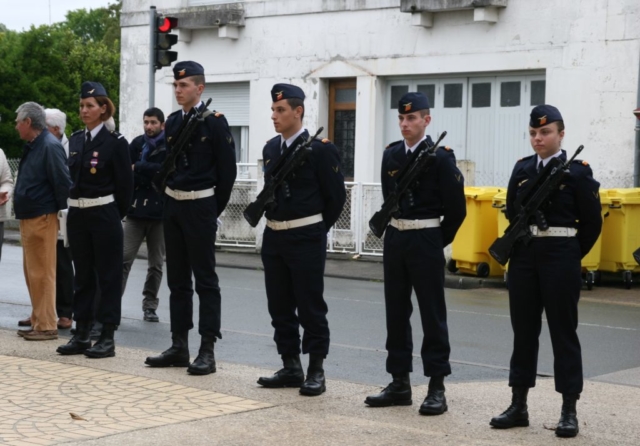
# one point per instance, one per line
(342, 122)
(429, 91)
(538, 91)
(452, 95)
(509, 94)
(481, 95)
(397, 91)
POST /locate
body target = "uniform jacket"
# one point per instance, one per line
(109, 151)
(146, 203)
(317, 187)
(211, 158)
(42, 186)
(440, 192)
(575, 204)
(6, 185)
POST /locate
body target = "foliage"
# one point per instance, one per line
(48, 64)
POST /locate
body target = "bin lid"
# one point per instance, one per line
(623, 196)
(482, 193)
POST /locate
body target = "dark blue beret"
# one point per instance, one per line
(412, 102)
(92, 89)
(186, 69)
(543, 115)
(286, 91)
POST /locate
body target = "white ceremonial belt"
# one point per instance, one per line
(284, 225)
(189, 195)
(553, 232)
(90, 202)
(408, 225)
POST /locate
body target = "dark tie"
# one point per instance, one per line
(284, 147)
(88, 137)
(540, 166)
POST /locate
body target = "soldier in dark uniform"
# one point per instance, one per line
(196, 194)
(545, 274)
(414, 258)
(295, 245)
(100, 195)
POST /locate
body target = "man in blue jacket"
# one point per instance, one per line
(41, 190)
(144, 219)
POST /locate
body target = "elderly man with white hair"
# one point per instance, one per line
(56, 123)
(42, 189)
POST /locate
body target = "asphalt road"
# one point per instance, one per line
(479, 327)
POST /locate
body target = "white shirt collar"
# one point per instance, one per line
(290, 140)
(185, 112)
(546, 161)
(412, 148)
(94, 132)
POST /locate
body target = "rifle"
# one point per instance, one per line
(549, 180)
(177, 148)
(636, 255)
(420, 162)
(286, 164)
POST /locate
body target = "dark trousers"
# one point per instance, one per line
(294, 263)
(546, 275)
(64, 281)
(190, 235)
(415, 259)
(135, 231)
(95, 239)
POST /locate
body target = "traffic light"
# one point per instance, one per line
(164, 41)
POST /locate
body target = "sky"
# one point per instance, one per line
(19, 15)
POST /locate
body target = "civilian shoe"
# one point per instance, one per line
(41, 335)
(150, 316)
(21, 333)
(25, 322)
(64, 323)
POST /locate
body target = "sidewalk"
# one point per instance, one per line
(122, 402)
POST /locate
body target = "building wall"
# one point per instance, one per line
(588, 51)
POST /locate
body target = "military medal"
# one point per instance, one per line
(94, 163)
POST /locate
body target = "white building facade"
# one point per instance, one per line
(483, 64)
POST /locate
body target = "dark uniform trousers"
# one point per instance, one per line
(545, 275)
(415, 259)
(190, 234)
(294, 262)
(64, 281)
(96, 239)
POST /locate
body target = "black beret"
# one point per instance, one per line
(91, 90)
(543, 115)
(186, 69)
(412, 102)
(286, 91)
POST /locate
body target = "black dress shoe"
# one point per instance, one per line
(176, 356)
(568, 424)
(435, 403)
(398, 393)
(205, 362)
(289, 376)
(79, 342)
(150, 316)
(516, 414)
(106, 346)
(315, 384)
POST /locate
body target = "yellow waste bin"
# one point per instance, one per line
(591, 262)
(621, 234)
(470, 249)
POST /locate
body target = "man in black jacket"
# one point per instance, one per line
(144, 219)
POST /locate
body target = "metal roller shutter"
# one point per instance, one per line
(232, 99)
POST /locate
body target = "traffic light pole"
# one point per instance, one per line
(152, 49)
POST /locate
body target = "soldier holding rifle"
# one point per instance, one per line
(544, 269)
(427, 219)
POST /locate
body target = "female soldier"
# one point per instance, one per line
(102, 184)
(546, 273)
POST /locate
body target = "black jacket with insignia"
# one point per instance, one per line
(575, 204)
(439, 193)
(146, 202)
(211, 158)
(110, 152)
(317, 187)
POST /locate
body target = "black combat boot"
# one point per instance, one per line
(435, 403)
(106, 346)
(568, 424)
(315, 384)
(205, 362)
(398, 393)
(516, 414)
(80, 340)
(291, 375)
(175, 356)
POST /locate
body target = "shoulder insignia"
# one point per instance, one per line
(459, 177)
(562, 186)
(116, 134)
(203, 139)
(218, 114)
(596, 194)
(325, 140)
(267, 162)
(336, 169)
(522, 182)
(73, 153)
(169, 138)
(584, 163)
(392, 172)
(447, 148)
(229, 139)
(77, 132)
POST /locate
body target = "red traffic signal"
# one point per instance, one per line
(166, 24)
(637, 113)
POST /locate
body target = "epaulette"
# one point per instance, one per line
(393, 143)
(526, 158)
(217, 114)
(447, 148)
(324, 140)
(116, 134)
(77, 132)
(584, 163)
